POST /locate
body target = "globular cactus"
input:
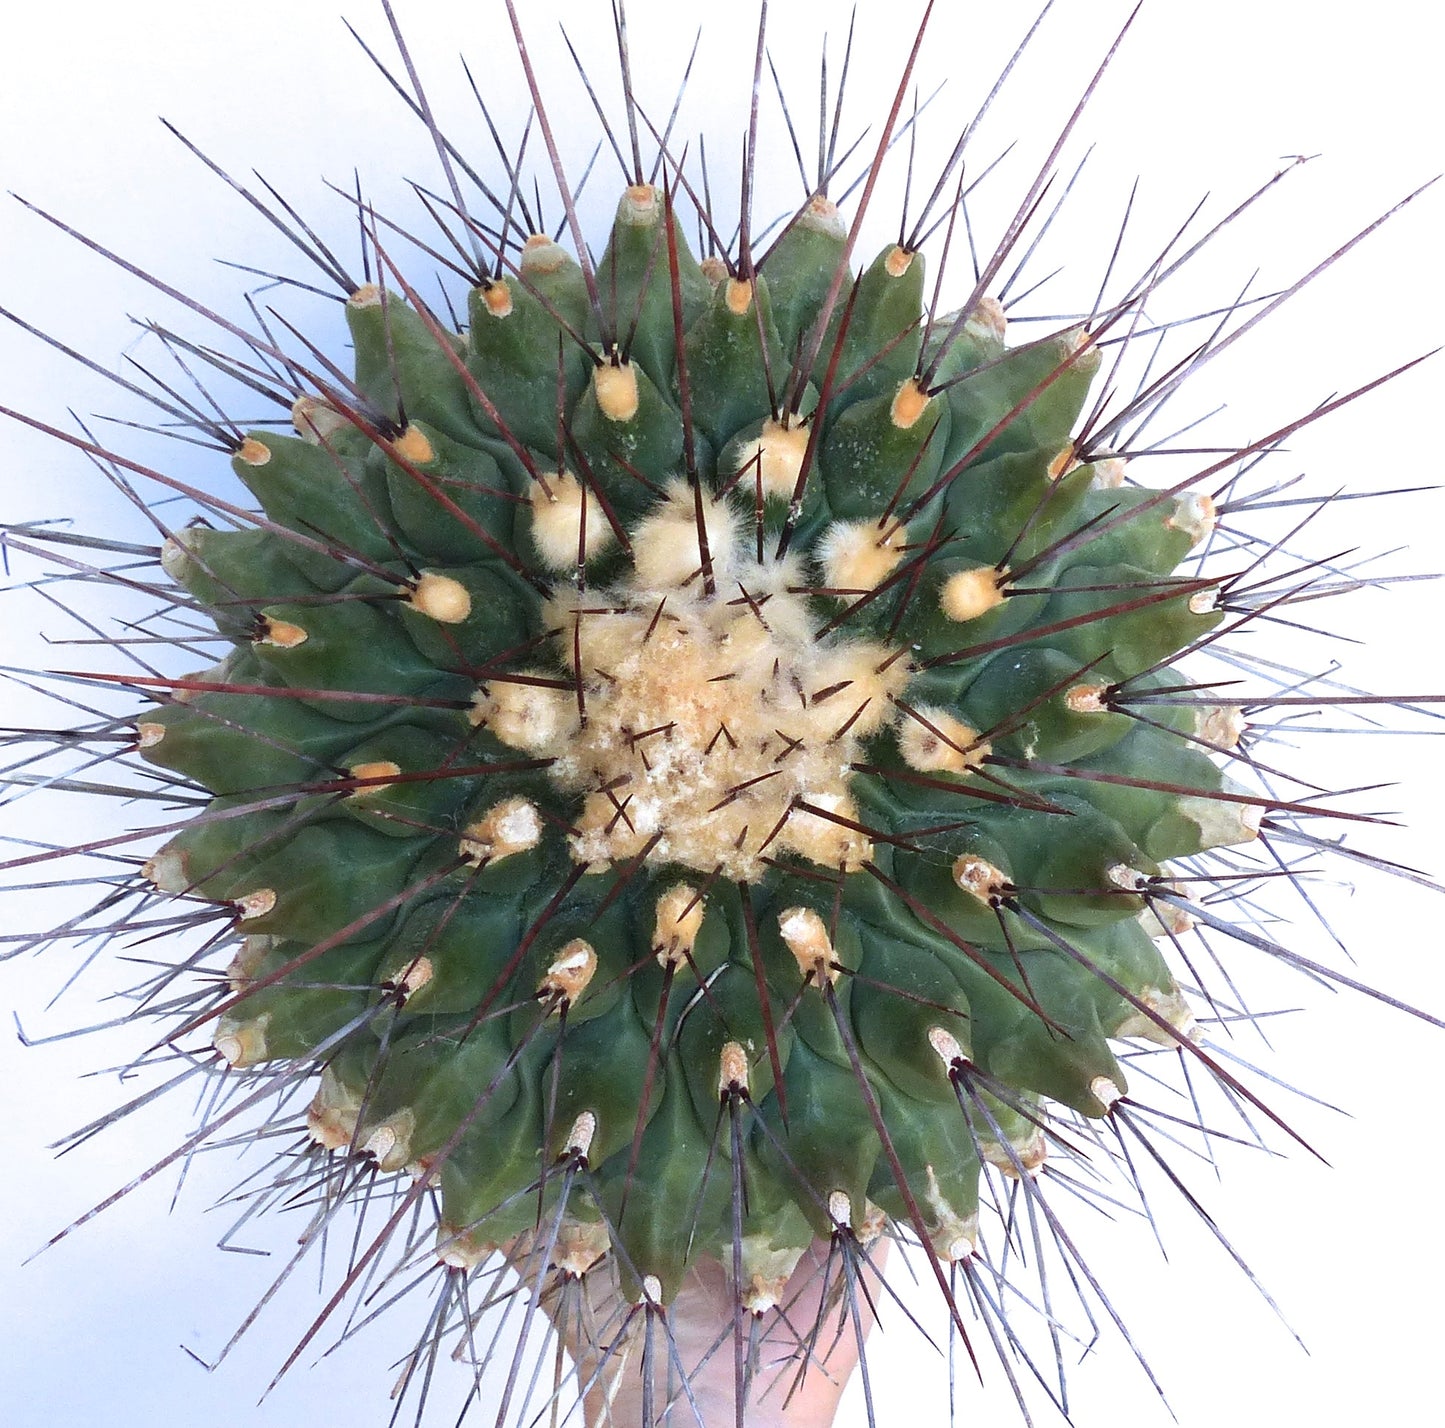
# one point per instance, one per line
(708, 764)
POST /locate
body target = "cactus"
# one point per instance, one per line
(706, 767)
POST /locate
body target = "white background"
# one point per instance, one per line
(1202, 99)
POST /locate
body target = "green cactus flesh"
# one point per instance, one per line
(618, 739)
(680, 778)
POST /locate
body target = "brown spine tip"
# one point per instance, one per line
(253, 452)
(603, 837)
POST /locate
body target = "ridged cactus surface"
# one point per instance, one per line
(773, 741)
(700, 772)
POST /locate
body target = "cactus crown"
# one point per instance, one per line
(699, 754)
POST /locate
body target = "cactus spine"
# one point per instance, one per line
(699, 759)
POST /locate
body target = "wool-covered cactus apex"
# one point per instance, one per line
(701, 760)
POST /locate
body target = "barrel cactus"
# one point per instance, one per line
(711, 778)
